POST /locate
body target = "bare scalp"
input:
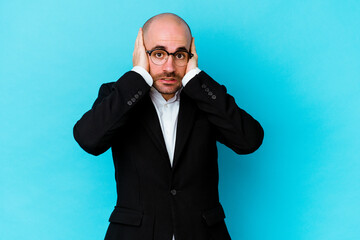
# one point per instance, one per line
(167, 17)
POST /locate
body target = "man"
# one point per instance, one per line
(162, 121)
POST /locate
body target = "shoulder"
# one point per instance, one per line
(104, 91)
(106, 86)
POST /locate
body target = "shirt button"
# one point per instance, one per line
(207, 89)
(213, 97)
(129, 103)
(173, 192)
(203, 86)
(133, 99)
(139, 92)
(136, 96)
(210, 93)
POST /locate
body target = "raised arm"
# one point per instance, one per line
(235, 128)
(95, 129)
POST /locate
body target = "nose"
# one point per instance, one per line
(169, 65)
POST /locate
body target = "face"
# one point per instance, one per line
(171, 36)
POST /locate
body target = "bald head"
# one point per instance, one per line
(169, 21)
(166, 17)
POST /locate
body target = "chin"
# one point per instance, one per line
(167, 89)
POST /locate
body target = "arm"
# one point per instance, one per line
(95, 130)
(234, 127)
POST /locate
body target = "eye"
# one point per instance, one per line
(180, 55)
(158, 54)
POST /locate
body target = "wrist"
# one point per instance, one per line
(144, 73)
(190, 75)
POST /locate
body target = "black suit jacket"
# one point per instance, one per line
(156, 200)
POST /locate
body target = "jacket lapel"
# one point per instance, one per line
(185, 123)
(152, 125)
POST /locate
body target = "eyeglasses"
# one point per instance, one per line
(160, 56)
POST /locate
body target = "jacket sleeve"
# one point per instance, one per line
(95, 129)
(234, 127)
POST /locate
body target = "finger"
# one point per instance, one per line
(138, 38)
(140, 34)
(141, 38)
(193, 49)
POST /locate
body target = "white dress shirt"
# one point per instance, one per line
(167, 111)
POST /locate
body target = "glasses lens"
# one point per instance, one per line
(159, 57)
(181, 58)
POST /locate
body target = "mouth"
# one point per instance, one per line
(167, 80)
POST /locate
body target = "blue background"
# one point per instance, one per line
(293, 65)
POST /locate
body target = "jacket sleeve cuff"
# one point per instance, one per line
(147, 77)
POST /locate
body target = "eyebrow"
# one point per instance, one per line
(160, 47)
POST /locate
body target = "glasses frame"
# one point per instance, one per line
(168, 54)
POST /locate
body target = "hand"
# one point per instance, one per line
(140, 57)
(193, 62)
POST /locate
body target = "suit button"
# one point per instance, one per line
(139, 92)
(207, 89)
(210, 93)
(203, 86)
(133, 99)
(136, 96)
(213, 97)
(173, 192)
(129, 103)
